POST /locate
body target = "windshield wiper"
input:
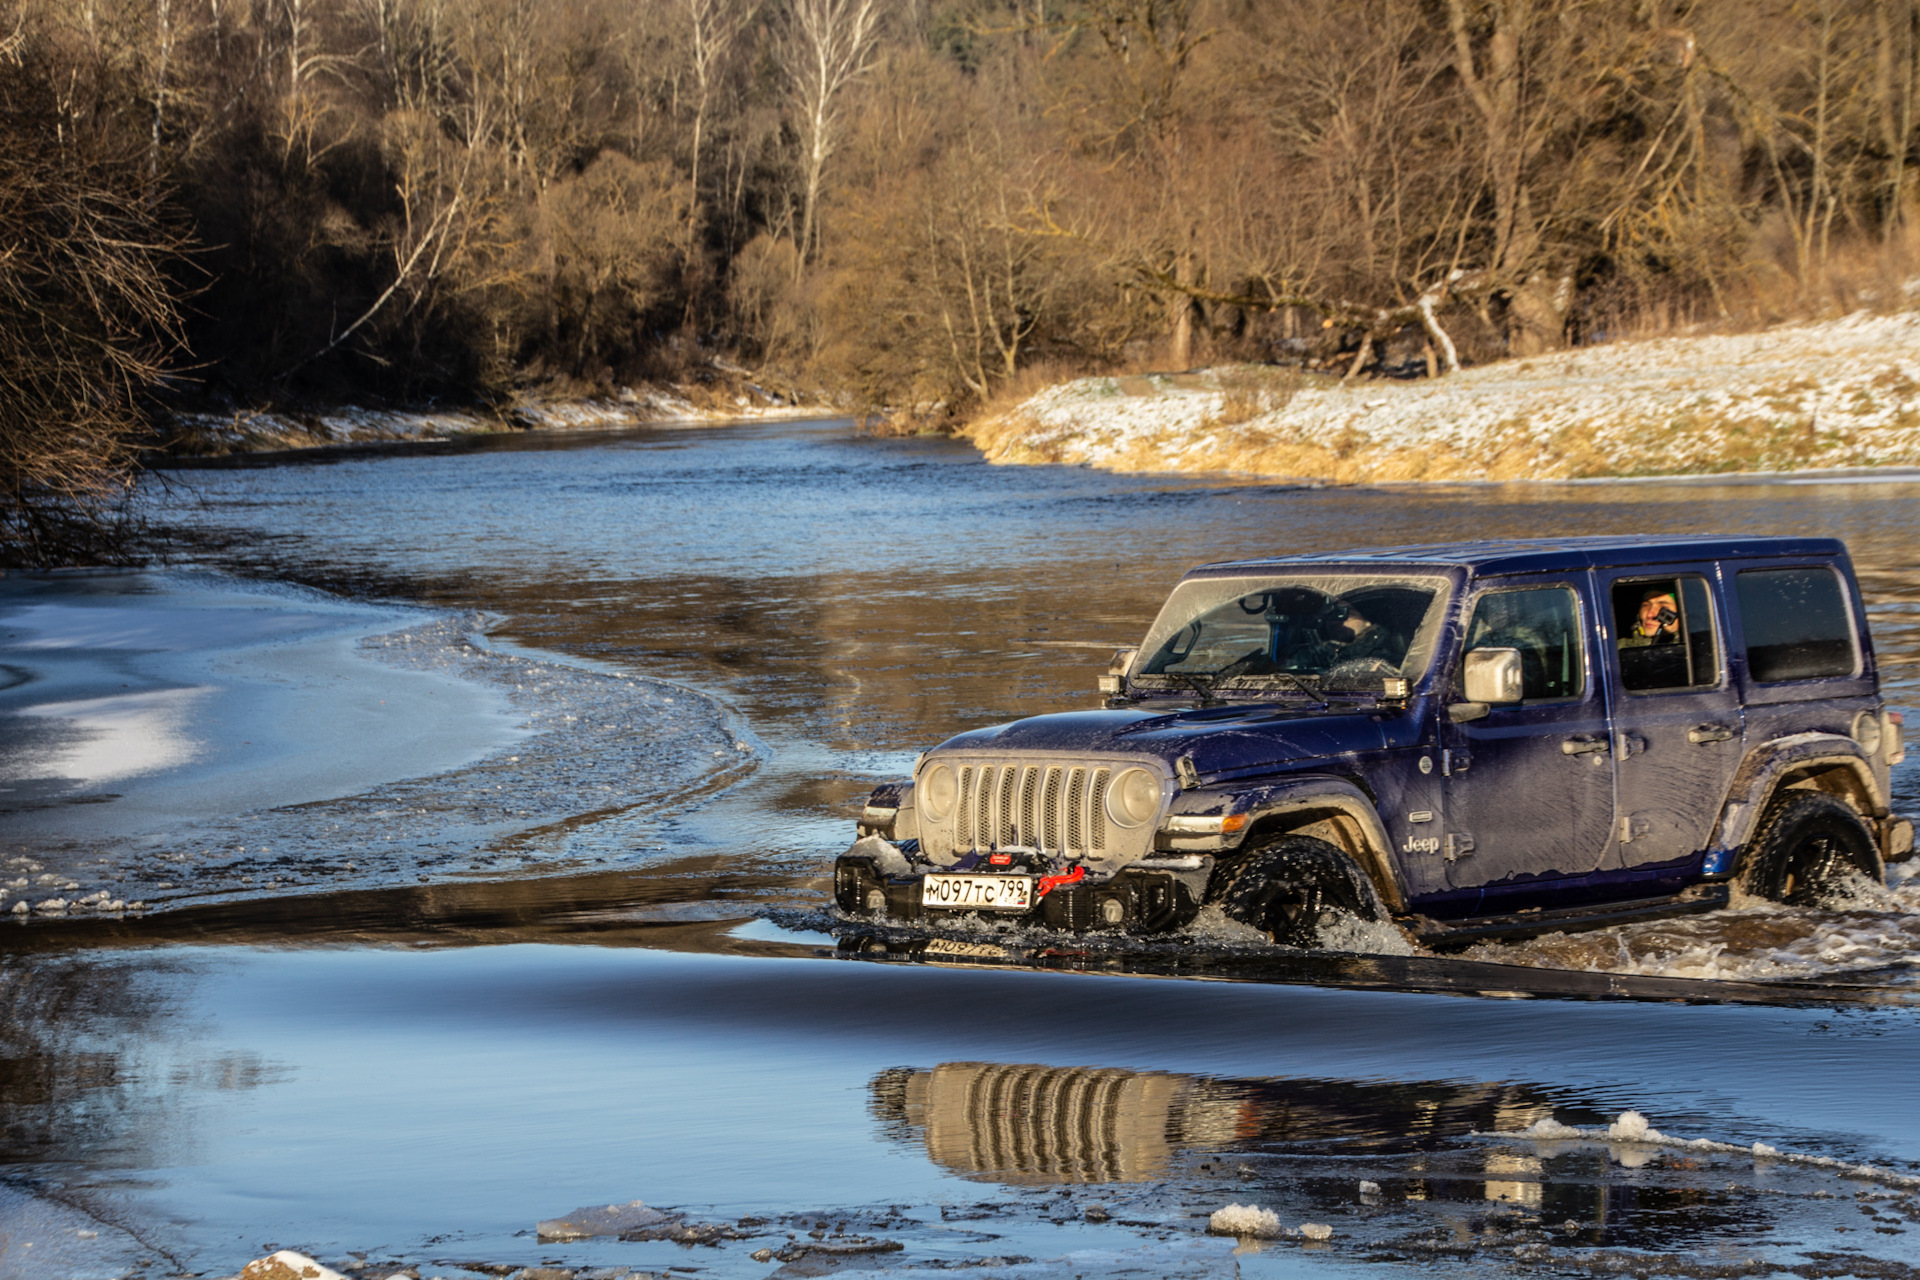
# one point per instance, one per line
(1200, 686)
(1305, 688)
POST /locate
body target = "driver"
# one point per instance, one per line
(1357, 638)
(1657, 621)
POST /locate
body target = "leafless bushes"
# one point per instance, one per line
(913, 205)
(88, 317)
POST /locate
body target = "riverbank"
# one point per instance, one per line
(1840, 393)
(734, 398)
(168, 739)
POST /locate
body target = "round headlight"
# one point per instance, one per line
(937, 792)
(1133, 798)
(1866, 732)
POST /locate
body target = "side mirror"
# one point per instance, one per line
(1493, 676)
(1115, 679)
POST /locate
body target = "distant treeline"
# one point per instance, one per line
(912, 202)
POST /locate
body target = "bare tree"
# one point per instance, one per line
(827, 45)
(712, 28)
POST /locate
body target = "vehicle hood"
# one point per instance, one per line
(1221, 740)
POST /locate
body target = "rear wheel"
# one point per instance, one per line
(1809, 842)
(1290, 886)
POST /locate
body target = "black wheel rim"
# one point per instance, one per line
(1815, 865)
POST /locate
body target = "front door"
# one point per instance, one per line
(1677, 719)
(1530, 785)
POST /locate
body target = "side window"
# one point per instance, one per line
(1543, 623)
(1797, 624)
(1664, 634)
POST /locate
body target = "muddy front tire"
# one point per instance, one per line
(1291, 886)
(1809, 842)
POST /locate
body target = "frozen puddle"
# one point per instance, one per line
(111, 738)
(196, 696)
(167, 738)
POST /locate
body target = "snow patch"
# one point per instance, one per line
(1838, 393)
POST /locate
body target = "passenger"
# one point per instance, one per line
(1658, 621)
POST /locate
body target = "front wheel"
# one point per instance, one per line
(1290, 887)
(1809, 843)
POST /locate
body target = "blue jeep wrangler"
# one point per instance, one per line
(1476, 740)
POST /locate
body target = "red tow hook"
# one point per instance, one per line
(1049, 883)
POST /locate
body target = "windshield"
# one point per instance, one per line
(1314, 632)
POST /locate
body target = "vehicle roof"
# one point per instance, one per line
(1515, 555)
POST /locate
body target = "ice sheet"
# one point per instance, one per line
(194, 696)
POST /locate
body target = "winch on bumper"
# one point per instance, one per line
(886, 874)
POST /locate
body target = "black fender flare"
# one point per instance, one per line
(1332, 808)
(1765, 768)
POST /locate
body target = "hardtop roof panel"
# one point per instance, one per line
(1540, 555)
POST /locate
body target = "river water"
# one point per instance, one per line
(417, 1075)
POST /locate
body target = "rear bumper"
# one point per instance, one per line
(1135, 899)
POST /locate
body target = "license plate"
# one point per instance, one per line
(977, 893)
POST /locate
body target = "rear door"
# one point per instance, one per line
(1530, 786)
(1678, 725)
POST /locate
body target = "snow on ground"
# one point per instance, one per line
(1837, 393)
(248, 431)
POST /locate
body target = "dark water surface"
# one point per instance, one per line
(422, 1074)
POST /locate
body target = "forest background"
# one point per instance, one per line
(910, 206)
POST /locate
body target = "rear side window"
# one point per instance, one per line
(1663, 634)
(1543, 623)
(1797, 623)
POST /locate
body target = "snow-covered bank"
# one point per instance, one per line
(259, 431)
(167, 738)
(1840, 393)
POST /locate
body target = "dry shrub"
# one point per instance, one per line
(1253, 391)
(89, 320)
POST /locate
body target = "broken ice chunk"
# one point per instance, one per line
(1245, 1220)
(1316, 1231)
(287, 1265)
(1548, 1127)
(1633, 1127)
(601, 1220)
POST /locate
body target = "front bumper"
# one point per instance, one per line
(1154, 897)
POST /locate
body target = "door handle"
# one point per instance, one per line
(1581, 744)
(1708, 733)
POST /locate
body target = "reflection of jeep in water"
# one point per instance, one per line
(1477, 740)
